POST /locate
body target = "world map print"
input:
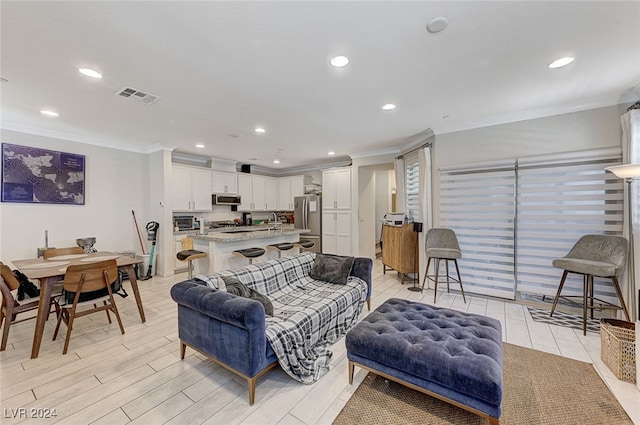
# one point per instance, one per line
(36, 175)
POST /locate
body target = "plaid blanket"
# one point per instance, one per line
(309, 315)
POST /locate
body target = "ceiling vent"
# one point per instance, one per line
(137, 95)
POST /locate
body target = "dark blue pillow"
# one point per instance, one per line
(332, 268)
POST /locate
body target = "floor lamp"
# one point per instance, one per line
(630, 173)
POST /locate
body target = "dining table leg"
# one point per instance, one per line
(44, 305)
(134, 286)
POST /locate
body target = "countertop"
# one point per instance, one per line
(241, 233)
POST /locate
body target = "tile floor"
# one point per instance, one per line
(109, 378)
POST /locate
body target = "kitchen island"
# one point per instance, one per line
(219, 246)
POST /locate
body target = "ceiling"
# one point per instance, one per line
(222, 69)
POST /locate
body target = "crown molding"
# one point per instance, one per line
(94, 141)
(394, 150)
(604, 101)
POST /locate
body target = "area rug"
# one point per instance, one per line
(539, 389)
(563, 319)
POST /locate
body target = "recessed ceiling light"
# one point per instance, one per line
(260, 130)
(276, 161)
(559, 63)
(388, 107)
(90, 72)
(437, 24)
(199, 145)
(49, 113)
(339, 61)
(331, 153)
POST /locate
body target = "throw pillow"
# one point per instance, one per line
(332, 268)
(235, 287)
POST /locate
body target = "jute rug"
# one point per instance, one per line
(538, 389)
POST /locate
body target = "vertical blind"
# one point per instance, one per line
(556, 205)
(479, 205)
(512, 222)
(412, 185)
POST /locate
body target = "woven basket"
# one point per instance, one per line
(618, 348)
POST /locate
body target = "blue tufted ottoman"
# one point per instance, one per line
(450, 355)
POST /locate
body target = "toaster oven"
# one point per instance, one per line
(184, 222)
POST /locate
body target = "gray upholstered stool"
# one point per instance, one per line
(285, 246)
(453, 356)
(304, 245)
(442, 244)
(250, 253)
(593, 255)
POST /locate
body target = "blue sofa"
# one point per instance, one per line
(229, 329)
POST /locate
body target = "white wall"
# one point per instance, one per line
(383, 198)
(116, 183)
(366, 212)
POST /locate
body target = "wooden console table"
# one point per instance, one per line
(400, 249)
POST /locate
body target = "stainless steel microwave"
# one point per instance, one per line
(220, 199)
(185, 222)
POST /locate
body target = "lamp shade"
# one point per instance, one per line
(627, 171)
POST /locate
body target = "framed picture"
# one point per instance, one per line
(42, 176)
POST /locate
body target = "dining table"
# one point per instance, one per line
(52, 270)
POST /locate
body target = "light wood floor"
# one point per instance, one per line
(109, 378)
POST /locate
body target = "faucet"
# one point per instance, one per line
(275, 217)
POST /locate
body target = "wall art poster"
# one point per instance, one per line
(36, 175)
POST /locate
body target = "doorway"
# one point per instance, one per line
(376, 193)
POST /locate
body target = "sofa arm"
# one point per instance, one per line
(362, 268)
(238, 311)
(222, 325)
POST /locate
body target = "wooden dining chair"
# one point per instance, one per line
(56, 252)
(84, 278)
(11, 307)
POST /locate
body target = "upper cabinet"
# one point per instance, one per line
(257, 193)
(289, 188)
(245, 190)
(336, 189)
(191, 189)
(225, 182)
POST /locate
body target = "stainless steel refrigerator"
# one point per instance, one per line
(307, 214)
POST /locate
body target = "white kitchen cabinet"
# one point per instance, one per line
(257, 193)
(224, 182)
(271, 193)
(336, 232)
(289, 188)
(336, 211)
(245, 191)
(336, 188)
(191, 189)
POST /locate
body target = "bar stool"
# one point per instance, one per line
(304, 245)
(250, 253)
(442, 244)
(189, 254)
(593, 255)
(285, 246)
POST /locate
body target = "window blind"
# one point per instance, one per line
(556, 204)
(479, 205)
(412, 185)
